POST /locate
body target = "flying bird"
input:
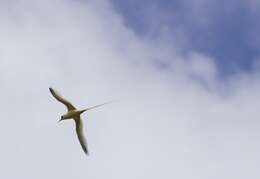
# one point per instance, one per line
(74, 113)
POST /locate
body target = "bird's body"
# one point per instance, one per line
(74, 114)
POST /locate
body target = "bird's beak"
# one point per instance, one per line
(60, 120)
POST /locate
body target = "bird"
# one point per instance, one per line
(74, 113)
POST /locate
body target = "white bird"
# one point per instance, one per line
(74, 113)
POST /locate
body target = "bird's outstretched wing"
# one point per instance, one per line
(62, 99)
(80, 134)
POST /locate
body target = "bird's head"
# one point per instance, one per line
(62, 118)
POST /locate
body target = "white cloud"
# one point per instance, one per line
(165, 124)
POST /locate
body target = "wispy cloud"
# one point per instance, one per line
(228, 33)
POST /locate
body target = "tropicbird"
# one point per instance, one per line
(74, 113)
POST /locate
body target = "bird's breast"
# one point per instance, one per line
(71, 114)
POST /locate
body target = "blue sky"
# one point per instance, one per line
(224, 30)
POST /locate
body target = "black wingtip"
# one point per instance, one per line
(86, 151)
(51, 90)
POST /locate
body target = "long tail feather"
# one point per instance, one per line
(96, 106)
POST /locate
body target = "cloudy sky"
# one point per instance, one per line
(185, 75)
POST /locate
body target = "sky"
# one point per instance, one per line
(225, 30)
(185, 107)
